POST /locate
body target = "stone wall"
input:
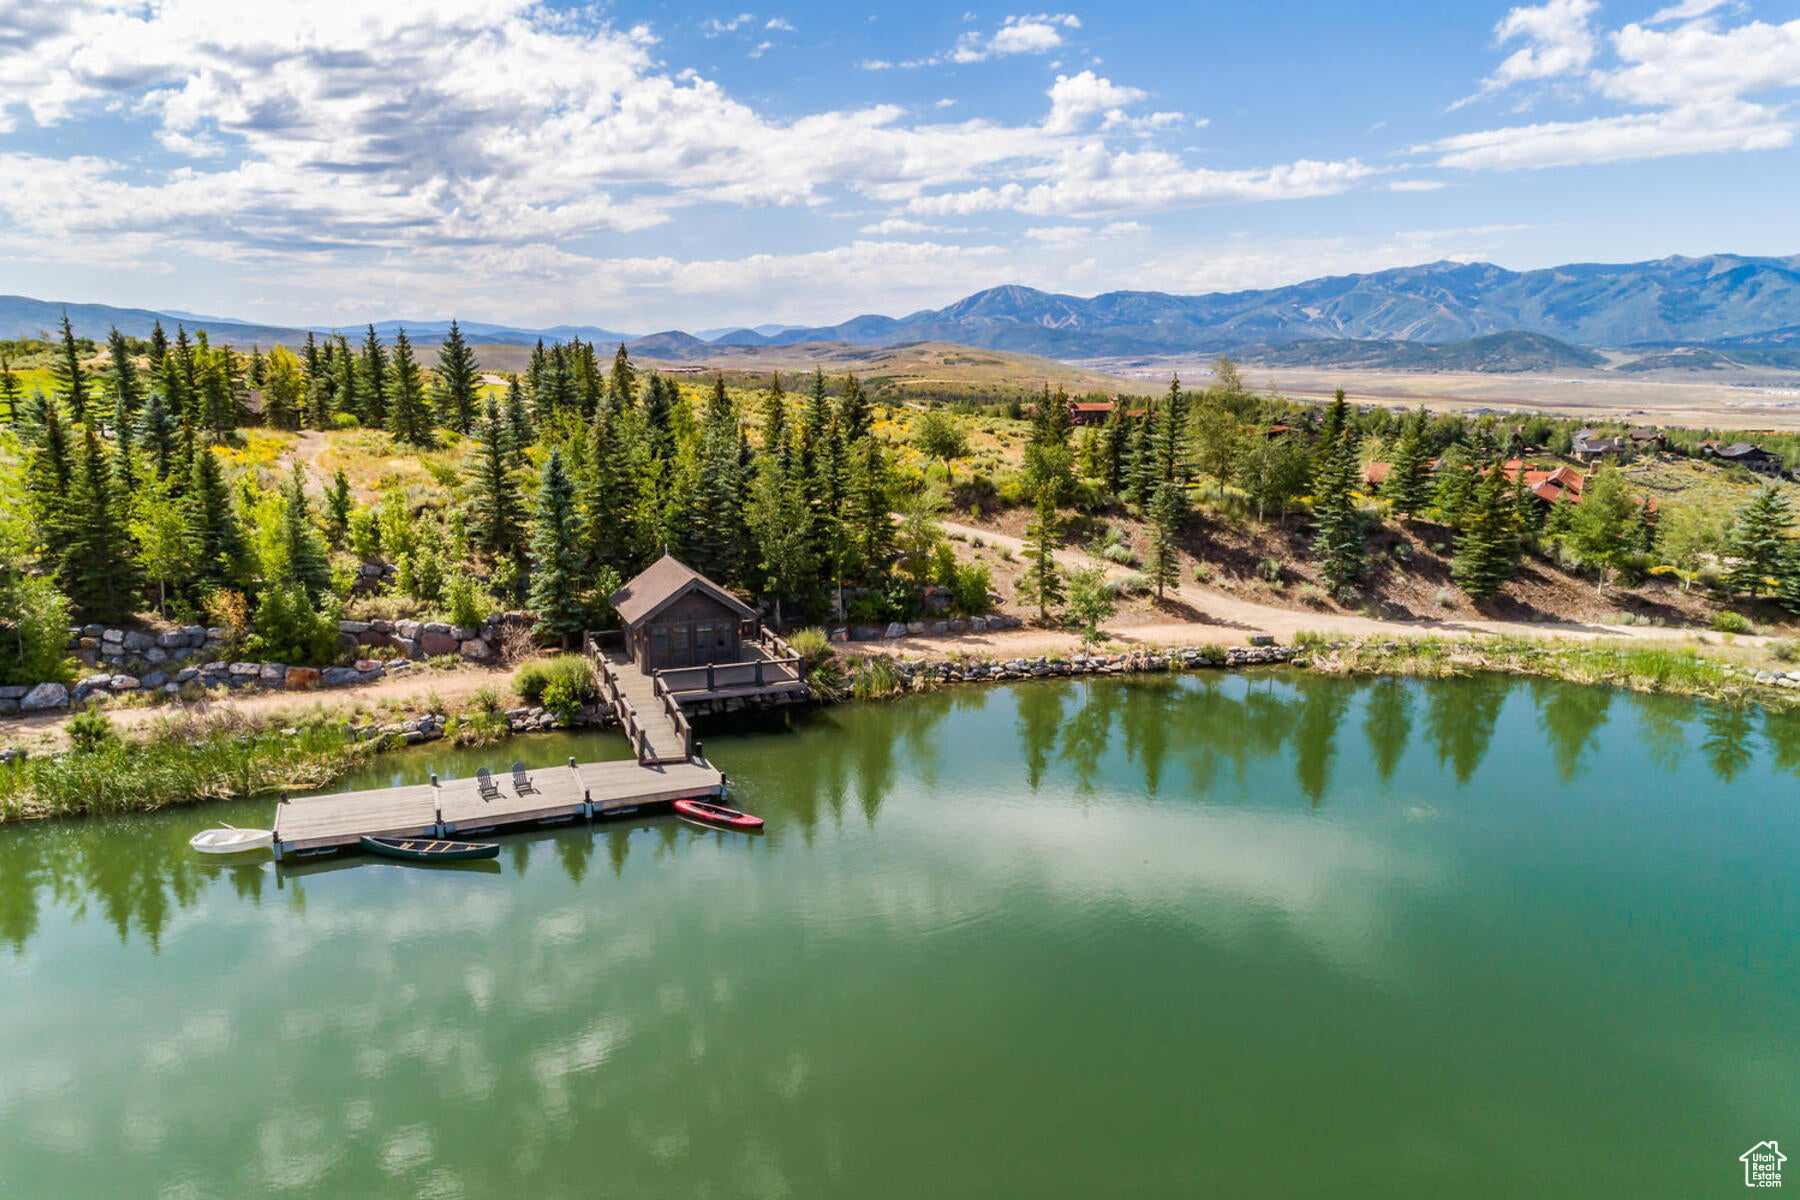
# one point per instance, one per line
(923, 672)
(431, 639)
(932, 628)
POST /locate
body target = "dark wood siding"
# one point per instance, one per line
(691, 632)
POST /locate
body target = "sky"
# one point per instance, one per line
(651, 166)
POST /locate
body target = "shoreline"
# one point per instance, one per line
(226, 755)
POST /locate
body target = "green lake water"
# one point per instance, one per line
(1232, 935)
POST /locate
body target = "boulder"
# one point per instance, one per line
(437, 641)
(156, 654)
(409, 629)
(959, 626)
(300, 679)
(406, 646)
(353, 627)
(171, 640)
(244, 668)
(45, 696)
(437, 627)
(187, 675)
(978, 624)
(154, 680)
(136, 640)
(476, 650)
(462, 633)
(125, 683)
(88, 643)
(365, 665)
(895, 630)
(112, 635)
(339, 676)
(916, 628)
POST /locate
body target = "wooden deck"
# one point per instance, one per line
(317, 824)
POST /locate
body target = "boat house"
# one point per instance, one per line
(676, 617)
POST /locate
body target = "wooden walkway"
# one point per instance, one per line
(547, 795)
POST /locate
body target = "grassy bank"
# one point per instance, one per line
(1673, 668)
(183, 761)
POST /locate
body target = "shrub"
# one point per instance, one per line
(1731, 622)
(1784, 650)
(39, 636)
(90, 730)
(1132, 583)
(533, 680)
(559, 698)
(468, 606)
(1310, 593)
(971, 590)
(1118, 552)
(812, 645)
(291, 629)
(1269, 569)
(1446, 598)
(486, 700)
(1202, 573)
(227, 610)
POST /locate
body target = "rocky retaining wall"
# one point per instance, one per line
(923, 672)
(933, 628)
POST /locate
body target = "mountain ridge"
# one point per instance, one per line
(1735, 301)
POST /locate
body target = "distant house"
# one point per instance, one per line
(1647, 437)
(676, 617)
(1551, 486)
(1376, 473)
(1588, 446)
(1744, 454)
(1085, 413)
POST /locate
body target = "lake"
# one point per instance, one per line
(1236, 934)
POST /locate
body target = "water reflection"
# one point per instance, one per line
(1087, 737)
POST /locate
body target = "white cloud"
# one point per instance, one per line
(779, 23)
(1037, 34)
(1687, 10)
(1416, 185)
(895, 225)
(1559, 37)
(714, 26)
(1692, 88)
(1076, 99)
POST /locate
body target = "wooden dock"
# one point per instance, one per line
(549, 795)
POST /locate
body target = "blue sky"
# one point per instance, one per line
(646, 166)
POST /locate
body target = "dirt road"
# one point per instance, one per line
(1207, 615)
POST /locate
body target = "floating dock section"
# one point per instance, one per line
(548, 795)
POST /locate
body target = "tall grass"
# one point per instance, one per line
(187, 763)
(574, 671)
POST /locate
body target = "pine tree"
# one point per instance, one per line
(160, 436)
(217, 406)
(553, 390)
(781, 525)
(855, 415)
(867, 511)
(459, 381)
(372, 381)
(10, 392)
(623, 381)
(1759, 540)
(555, 559)
(717, 534)
(519, 434)
(1168, 511)
(1455, 486)
(218, 539)
(774, 418)
(98, 572)
(165, 538)
(339, 503)
(49, 472)
(408, 418)
(124, 461)
(126, 393)
(1115, 447)
(1172, 430)
(1339, 538)
(159, 347)
(303, 548)
(1042, 583)
(1408, 482)
(72, 375)
(283, 389)
(1487, 550)
(494, 498)
(1337, 420)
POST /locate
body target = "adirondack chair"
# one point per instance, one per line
(484, 780)
(521, 781)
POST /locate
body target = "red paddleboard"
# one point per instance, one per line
(717, 814)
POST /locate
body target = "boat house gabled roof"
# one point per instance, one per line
(664, 582)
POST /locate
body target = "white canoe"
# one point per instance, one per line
(230, 840)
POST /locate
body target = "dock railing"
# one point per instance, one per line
(616, 698)
(677, 718)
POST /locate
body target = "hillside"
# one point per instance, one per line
(1745, 309)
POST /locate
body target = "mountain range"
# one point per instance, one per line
(1743, 309)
